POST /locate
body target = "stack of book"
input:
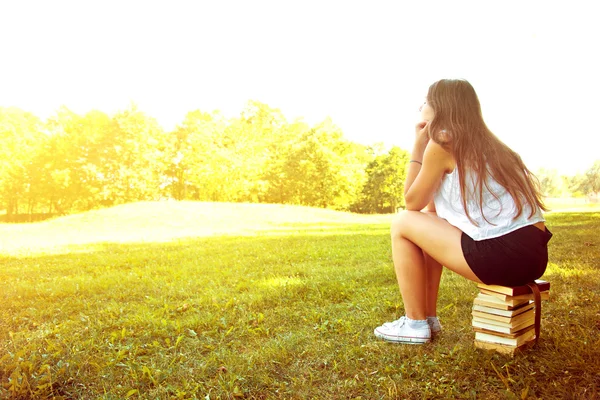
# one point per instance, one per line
(504, 317)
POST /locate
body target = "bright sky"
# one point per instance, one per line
(365, 64)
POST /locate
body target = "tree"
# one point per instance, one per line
(215, 159)
(318, 169)
(199, 158)
(21, 134)
(75, 160)
(383, 191)
(276, 184)
(95, 160)
(140, 146)
(590, 184)
(550, 183)
(78, 162)
(256, 134)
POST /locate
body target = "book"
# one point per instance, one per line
(506, 313)
(518, 320)
(504, 317)
(502, 348)
(510, 321)
(506, 335)
(516, 290)
(501, 328)
(512, 300)
(517, 341)
(491, 301)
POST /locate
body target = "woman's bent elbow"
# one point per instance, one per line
(414, 202)
(413, 205)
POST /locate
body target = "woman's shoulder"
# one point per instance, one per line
(441, 155)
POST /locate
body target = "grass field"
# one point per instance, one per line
(571, 204)
(227, 301)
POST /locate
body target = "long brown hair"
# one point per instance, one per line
(458, 126)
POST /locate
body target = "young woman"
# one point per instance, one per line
(471, 206)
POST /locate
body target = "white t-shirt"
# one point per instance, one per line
(499, 211)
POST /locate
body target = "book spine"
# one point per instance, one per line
(494, 328)
(501, 328)
(514, 300)
(515, 291)
(484, 337)
(501, 312)
(512, 320)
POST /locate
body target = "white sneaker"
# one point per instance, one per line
(398, 331)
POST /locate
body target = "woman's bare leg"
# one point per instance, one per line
(434, 274)
(414, 234)
(409, 264)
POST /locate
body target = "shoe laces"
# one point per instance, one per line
(397, 323)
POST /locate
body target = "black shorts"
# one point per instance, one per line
(513, 259)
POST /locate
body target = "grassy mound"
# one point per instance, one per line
(170, 220)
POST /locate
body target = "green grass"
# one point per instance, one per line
(221, 301)
(570, 204)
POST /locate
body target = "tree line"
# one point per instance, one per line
(75, 162)
(586, 184)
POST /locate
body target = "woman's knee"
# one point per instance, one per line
(402, 222)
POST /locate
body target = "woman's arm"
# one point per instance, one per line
(430, 208)
(423, 180)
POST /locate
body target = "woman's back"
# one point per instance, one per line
(498, 206)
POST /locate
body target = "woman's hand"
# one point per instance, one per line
(421, 136)
(422, 181)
